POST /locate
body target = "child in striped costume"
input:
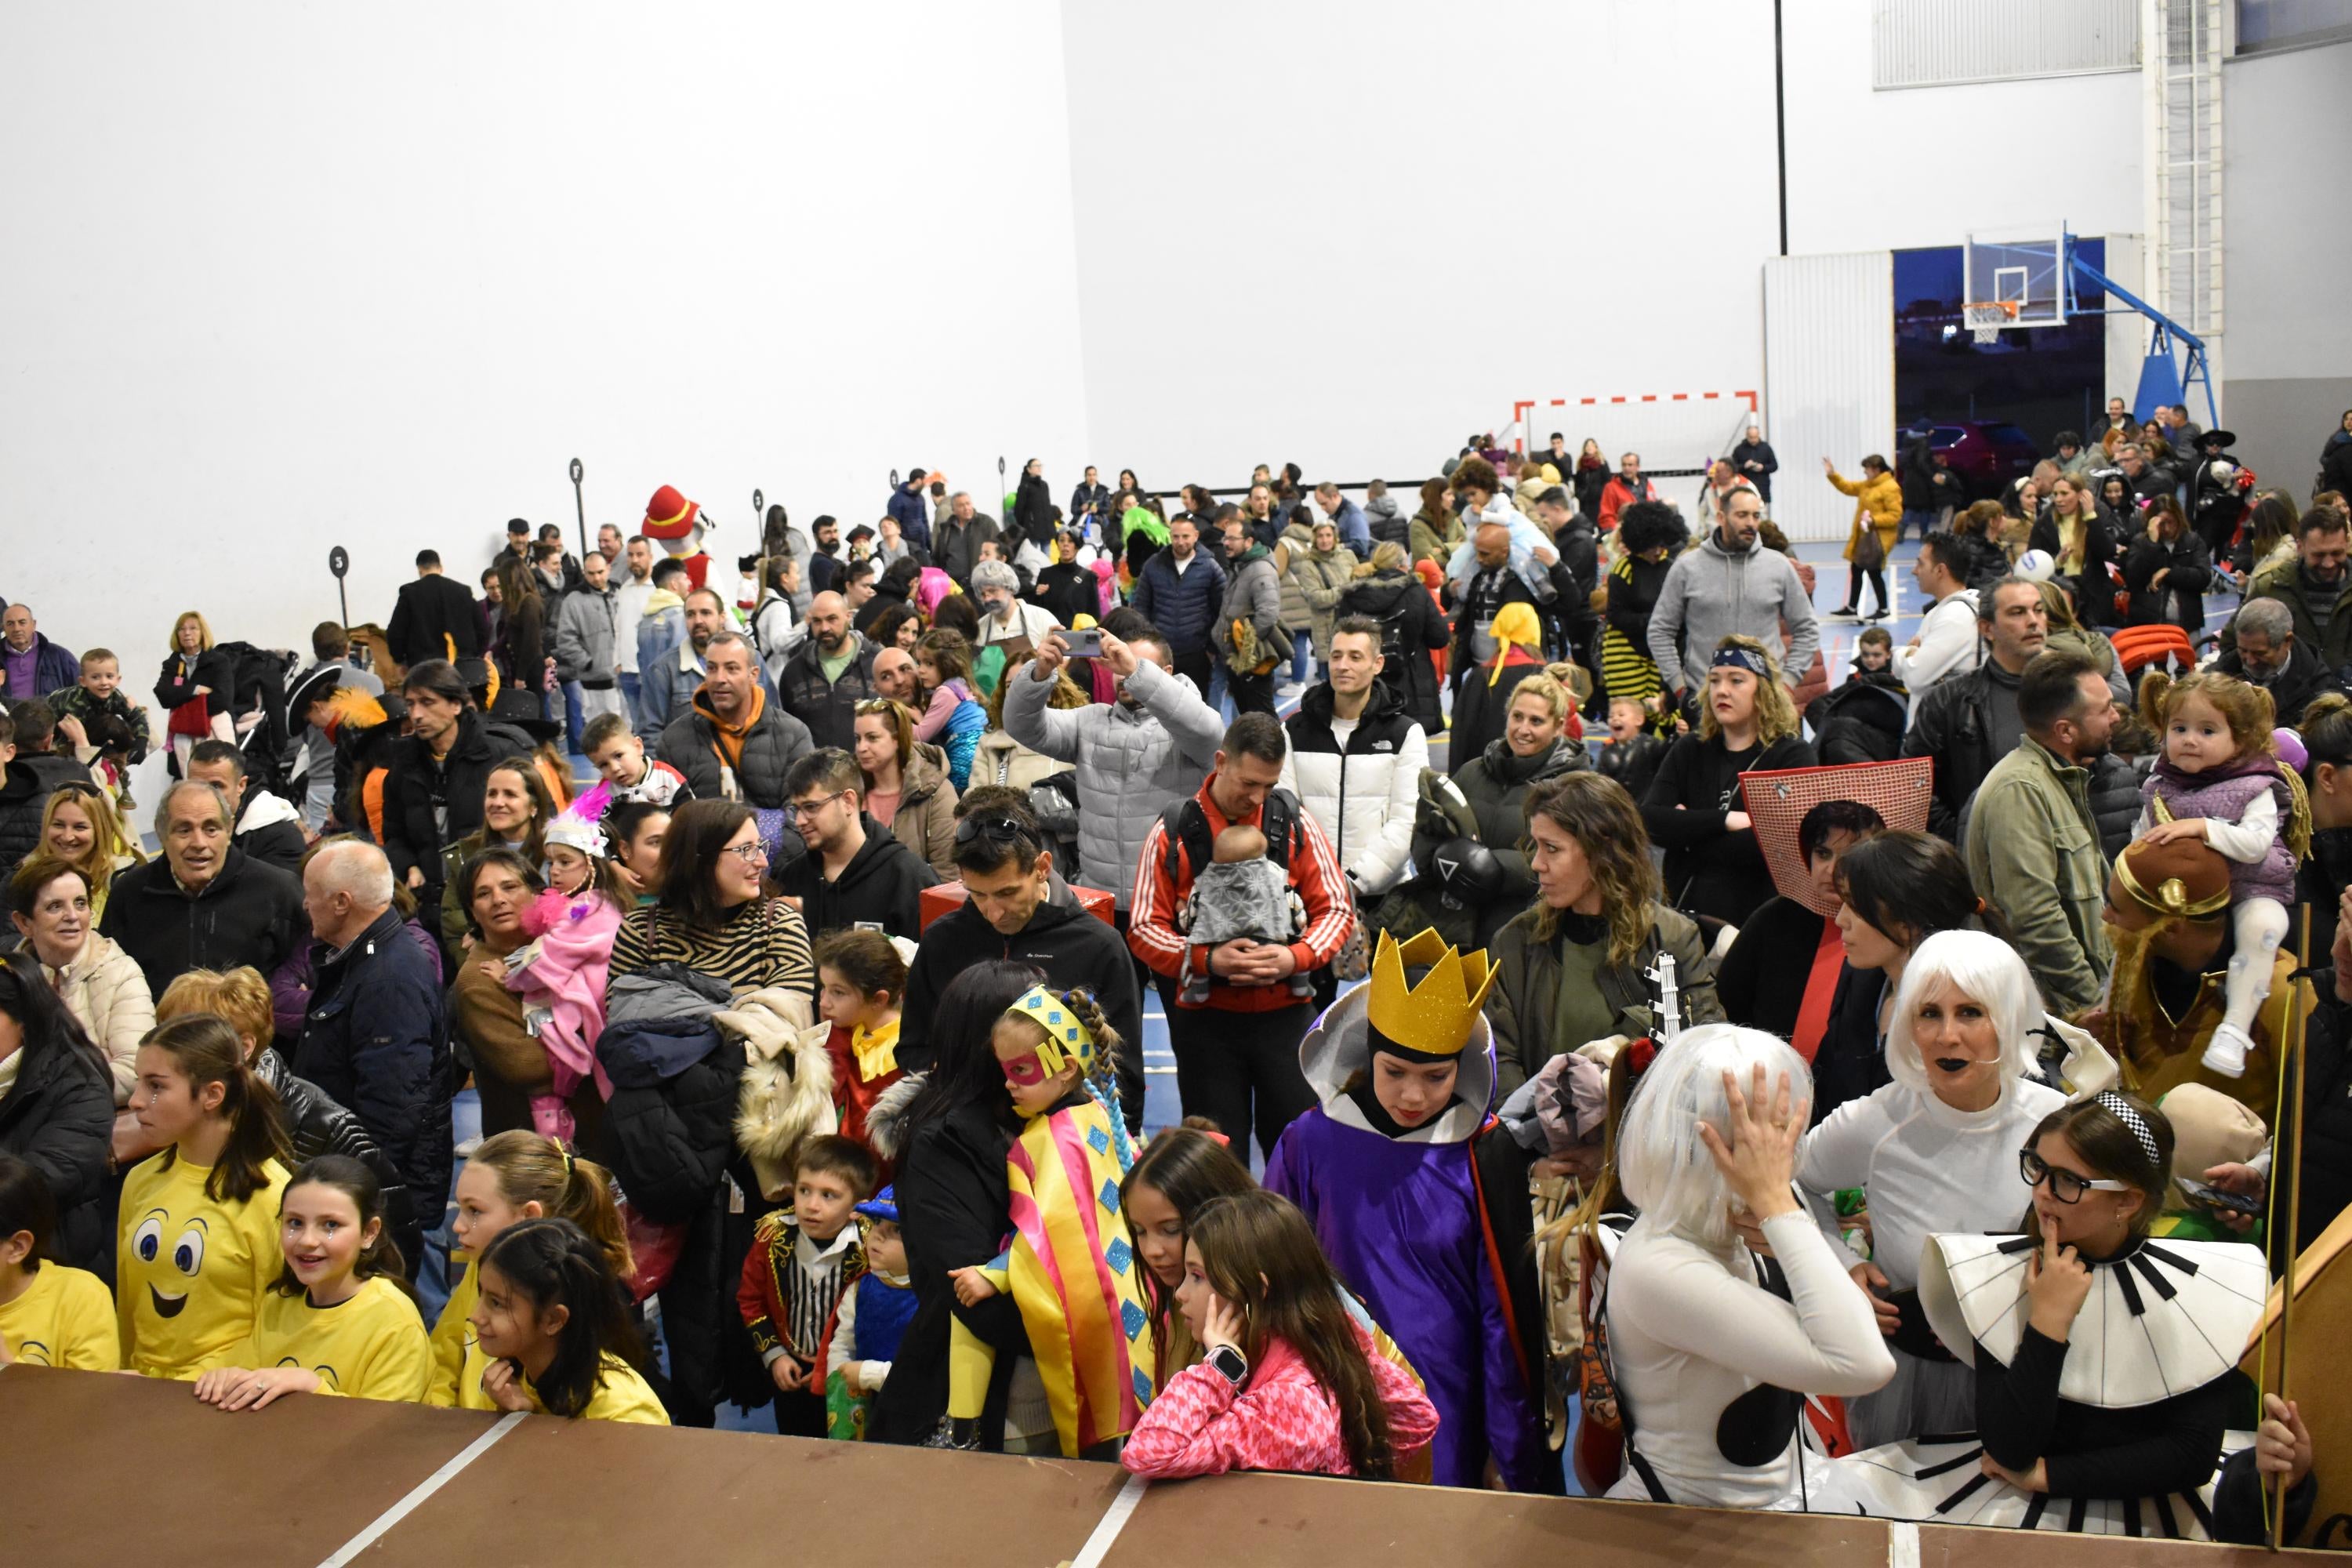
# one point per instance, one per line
(1069, 1264)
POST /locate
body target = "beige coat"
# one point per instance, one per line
(106, 993)
(925, 820)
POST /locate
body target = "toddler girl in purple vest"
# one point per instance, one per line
(2219, 780)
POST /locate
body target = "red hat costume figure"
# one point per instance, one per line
(675, 524)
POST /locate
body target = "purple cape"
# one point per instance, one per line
(1403, 1224)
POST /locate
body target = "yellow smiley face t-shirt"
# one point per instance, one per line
(372, 1346)
(63, 1317)
(189, 1270)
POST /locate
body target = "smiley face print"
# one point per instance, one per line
(190, 1267)
(183, 1254)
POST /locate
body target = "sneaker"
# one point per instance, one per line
(1844, 613)
(2225, 1053)
(1875, 615)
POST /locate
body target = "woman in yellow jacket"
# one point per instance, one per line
(1878, 506)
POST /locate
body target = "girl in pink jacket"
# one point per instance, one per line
(1287, 1382)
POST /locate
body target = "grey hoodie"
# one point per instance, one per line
(1711, 592)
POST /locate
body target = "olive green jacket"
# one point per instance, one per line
(2033, 854)
(1521, 1008)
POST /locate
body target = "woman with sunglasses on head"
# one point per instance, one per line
(2105, 1363)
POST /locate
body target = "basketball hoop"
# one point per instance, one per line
(1986, 321)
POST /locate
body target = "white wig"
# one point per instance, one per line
(1986, 970)
(1664, 1168)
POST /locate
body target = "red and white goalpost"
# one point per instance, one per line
(1676, 433)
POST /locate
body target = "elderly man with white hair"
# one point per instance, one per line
(376, 1038)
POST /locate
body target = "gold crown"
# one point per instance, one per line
(1434, 1016)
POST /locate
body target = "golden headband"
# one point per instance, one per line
(1065, 1037)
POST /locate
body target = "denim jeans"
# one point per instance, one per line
(631, 703)
(574, 720)
(1925, 520)
(1302, 658)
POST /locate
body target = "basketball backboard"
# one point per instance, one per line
(2021, 270)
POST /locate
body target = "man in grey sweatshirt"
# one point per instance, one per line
(1729, 584)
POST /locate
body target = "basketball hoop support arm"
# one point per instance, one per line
(2167, 330)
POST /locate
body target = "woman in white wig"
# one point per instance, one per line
(1711, 1346)
(1934, 1151)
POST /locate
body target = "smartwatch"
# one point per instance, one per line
(1229, 1364)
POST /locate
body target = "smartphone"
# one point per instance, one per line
(2215, 1198)
(1087, 644)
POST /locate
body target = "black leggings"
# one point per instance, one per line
(1853, 580)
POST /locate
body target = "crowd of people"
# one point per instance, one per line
(1758, 1088)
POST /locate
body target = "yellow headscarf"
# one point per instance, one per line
(1514, 623)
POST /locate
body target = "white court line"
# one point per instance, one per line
(425, 1488)
(1114, 1519)
(1901, 1544)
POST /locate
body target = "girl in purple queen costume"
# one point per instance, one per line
(2219, 780)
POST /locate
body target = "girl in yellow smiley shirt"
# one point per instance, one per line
(199, 1239)
(51, 1315)
(338, 1320)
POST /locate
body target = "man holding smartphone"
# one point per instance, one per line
(1134, 757)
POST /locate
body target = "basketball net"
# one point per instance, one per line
(1986, 321)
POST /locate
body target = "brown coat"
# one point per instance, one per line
(925, 820)
(509, 1064)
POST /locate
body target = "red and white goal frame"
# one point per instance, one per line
(1676, 433)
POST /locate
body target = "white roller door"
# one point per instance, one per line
(1829, 380)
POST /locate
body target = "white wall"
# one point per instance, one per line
(283, 275)
(2287, 230)
(1871, 171)
(1343, 233)
(1345, 273)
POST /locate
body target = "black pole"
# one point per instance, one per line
(579, 507)
(1780, 124)
(338, 561)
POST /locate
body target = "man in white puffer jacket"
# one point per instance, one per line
(1355, 761)
(1134, 757)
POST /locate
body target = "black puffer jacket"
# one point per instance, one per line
(669, 1124)
(827, 709)
(412, 836)
(774, 743)
(316, 1124)
(59, 1120)
(953, 1194)
(1412, 627)
(2115, 799)
(1496, 785)
(250, 914)
(23, 794)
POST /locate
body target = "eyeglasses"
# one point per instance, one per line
(805, 808)
(2065, 1186)
(752, 854)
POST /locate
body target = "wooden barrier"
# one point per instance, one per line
(102, 1469)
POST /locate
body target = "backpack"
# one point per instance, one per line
(1189, 843)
